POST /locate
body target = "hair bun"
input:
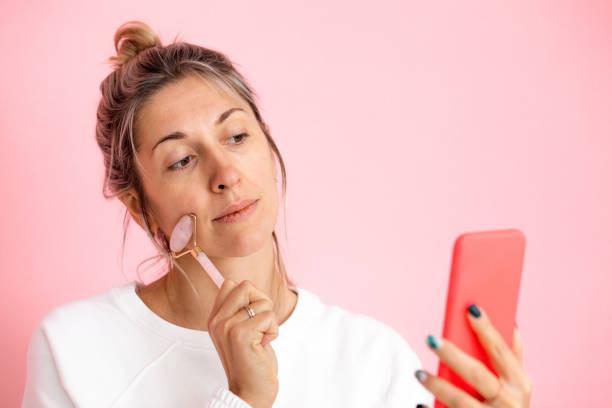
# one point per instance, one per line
(131, 38)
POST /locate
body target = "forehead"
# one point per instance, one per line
(190, 102)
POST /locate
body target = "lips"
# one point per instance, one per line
(235, 207)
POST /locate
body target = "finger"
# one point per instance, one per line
(517, 347)
(252, 330)
(258, 307)
(267, 305)
(271, 332)
(243, 294)
(502, 358)
(446, 392)
(472, 370)
(225, 289)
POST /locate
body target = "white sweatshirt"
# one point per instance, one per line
(111, 350)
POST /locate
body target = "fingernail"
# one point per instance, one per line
(420, 406)
(434, 342)
(420, 375)
(474, 310)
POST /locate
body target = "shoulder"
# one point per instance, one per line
(61, 343)
(76, 327)
(360, 333)
(376, 337)
(82, 314)
(375, 354)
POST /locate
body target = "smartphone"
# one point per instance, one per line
(485, 270)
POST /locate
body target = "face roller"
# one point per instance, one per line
(184, 229)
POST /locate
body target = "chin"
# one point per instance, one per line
(245, 244)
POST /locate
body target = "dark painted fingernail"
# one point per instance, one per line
(420, 406)
(434, 342)
(474, 310)
(420, 375)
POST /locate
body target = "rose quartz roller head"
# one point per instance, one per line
(184, 229)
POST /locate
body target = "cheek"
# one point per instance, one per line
(177, 205)
(263, 166)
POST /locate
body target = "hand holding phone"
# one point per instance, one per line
(486, 271)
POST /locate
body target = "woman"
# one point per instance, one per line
(180, 133)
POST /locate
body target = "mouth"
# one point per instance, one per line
(238, 211)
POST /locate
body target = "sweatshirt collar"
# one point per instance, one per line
(130, 303)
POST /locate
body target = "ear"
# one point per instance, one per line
(133, 205)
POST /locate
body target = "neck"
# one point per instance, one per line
(175, 300)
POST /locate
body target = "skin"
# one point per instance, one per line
(211, 155)
(512, 388)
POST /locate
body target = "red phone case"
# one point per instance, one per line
(485, 270)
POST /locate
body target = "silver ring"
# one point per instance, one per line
(249, 311)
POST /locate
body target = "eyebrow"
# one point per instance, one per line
(181, 135)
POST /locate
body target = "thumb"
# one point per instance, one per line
(517, 347)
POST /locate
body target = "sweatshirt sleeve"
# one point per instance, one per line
(43, 387)
(404, 389)
(224, 398)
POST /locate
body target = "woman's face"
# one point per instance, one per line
(215, 148)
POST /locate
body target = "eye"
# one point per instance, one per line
(183, 161)
(242, 135)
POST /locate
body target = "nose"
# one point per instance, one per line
(225, 173)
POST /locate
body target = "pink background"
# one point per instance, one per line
(403, 124)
